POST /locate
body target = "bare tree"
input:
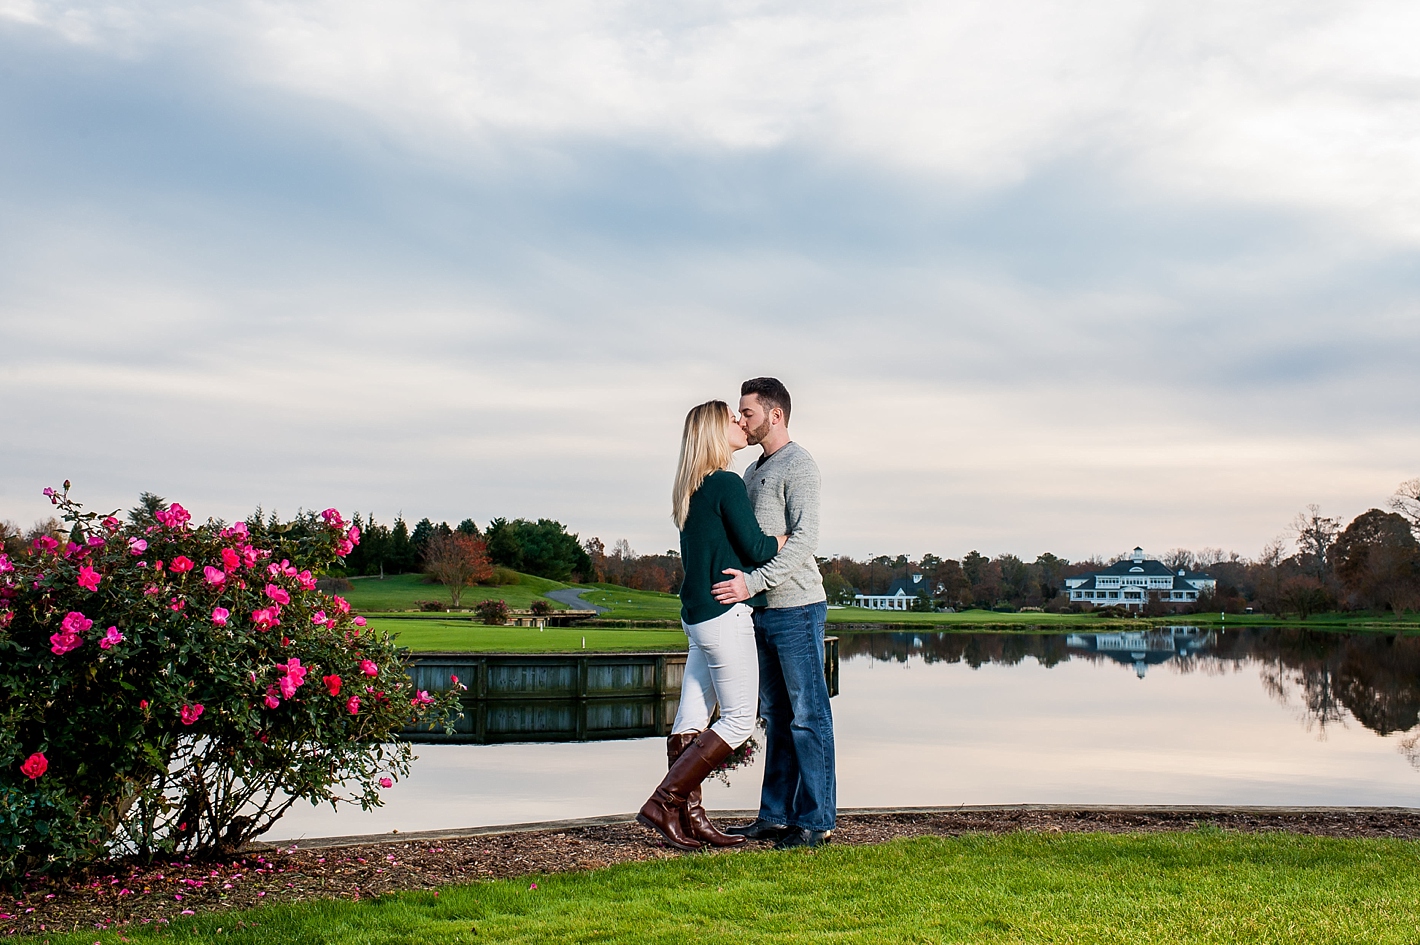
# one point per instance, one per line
(1179, 558)
(457, 561)
(1207, 557)
(1315, 535)
(1406, 501)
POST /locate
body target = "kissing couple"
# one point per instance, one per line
(756, 636)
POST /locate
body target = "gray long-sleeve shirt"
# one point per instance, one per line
(784, 490)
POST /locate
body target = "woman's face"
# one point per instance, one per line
(738, 440)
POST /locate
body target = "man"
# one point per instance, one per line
(799, 801)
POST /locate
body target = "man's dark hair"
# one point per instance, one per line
(770, 392)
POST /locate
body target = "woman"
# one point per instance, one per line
(717, 531)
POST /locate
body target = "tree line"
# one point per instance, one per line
(1371, 563)
(1319, 564)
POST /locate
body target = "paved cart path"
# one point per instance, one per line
(573, 598)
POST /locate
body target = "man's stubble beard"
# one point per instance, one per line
(757, 435)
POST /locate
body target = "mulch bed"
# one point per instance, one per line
(120, 894)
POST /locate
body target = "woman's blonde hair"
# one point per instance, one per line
(704, 448)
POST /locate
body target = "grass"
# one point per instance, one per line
(1201, 887)
(467, 636)
(399, 592)
(990, 620)
(627, 604)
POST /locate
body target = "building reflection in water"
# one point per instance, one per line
(1142, 649)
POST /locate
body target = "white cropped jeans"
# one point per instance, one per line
(722, 668)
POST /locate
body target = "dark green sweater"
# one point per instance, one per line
(720, 532)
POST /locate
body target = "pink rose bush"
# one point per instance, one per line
(129, 667)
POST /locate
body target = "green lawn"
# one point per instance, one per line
(966, 619)
(399, 592)
(627, 604)
(1200, 887)
(990, 620)
(433, 633)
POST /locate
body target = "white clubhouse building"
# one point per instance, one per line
(899, 596)
(1135, 581)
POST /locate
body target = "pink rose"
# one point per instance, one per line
(386, 783)
(220, 615)
(45, 543)
(190, 713)
(332, 518)
(96, 541)
(319, 618)
(250, 555)
(174, 516)
(34, 766)
(213, 575)
(343, 547)
(112, 524)
(89, 578)
(421, 698)
(180, 565)
(5, 565)
(306, 581)
(352, 705)
(332, 684)
(294, 676)
(137, 546)
(230, 561)
(75, 622)
(111, 638)
(341, 604)
(272, 700)
(369, 668)
(61, 643)
(278, 594)
(266, 618)
(358, 621)
(353, 535)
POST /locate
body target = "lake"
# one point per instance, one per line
(1175, 716)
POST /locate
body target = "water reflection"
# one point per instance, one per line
(1372, 678)
(1255, 716)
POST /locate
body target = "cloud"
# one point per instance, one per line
(1039, 279)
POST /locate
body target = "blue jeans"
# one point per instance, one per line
(800, 787)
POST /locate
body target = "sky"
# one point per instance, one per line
(1039, 276)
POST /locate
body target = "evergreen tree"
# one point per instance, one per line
(401, 556)
(504, 548)
(467, 527)
(423, 531)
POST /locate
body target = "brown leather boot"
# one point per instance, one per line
(694, 821)
(662, 811)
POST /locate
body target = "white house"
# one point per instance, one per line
(899, 596)
(1135, 581)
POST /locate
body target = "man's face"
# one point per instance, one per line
(754, 419)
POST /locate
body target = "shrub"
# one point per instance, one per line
(493, 612)
(502, 577)
(431, 606)
(168, 687)
(540, 608)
